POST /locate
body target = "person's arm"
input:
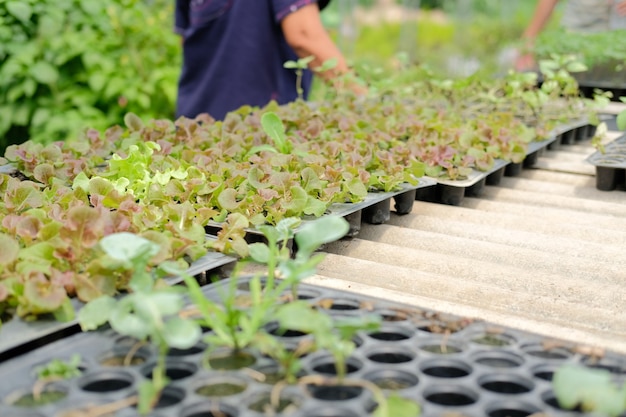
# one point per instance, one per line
(621, 8)
(543, 11)
(305, 33)
(540, 19)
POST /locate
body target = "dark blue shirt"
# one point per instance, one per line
(233, 54)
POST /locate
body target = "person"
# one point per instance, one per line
(578, 15)
(234, 52)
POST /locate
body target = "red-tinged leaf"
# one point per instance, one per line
(9, 249)
(24, 196)
(205, 214)
(28, 228)
(42, 296)
(268, 194)
(96, 282)
(44, 173)
(84, 226)
(163, 241)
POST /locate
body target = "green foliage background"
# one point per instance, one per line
(68, 64)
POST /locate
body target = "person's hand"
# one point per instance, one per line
(621, 8)
(525, 62)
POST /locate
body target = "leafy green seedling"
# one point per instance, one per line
(591, 389)
(299, 66)
(234, 322)
(59, 369)
(148, 313)
(55, 370)
(275, 129)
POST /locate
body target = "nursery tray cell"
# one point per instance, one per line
(610, 165)
(443, 362)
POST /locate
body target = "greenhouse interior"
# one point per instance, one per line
(434, 187)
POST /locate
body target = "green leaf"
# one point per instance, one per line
(297, 204)
(147, 395)
(302, 317)
(259, 252)
(97, 81)
(315, 207)
(327, 65)
(65, 313)
(228, 199)
(291, 65)
(621, 120)
(124, 321)
(324, 230)
(180, 333)
(127, 247)
(96, 312)
(44, 72)
(397, 406)
(274, 128)
(20, 10)
(592, 389)
(576, 67)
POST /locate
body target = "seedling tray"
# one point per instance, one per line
(374, 209)
(610, 165)
(18, 335)
(452, 192)
(443, 362)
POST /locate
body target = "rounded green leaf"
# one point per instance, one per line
(20, 10)
(44, 72)
(180, 333)
(95, 313)
(259, 252)
(324, 230)
(127, 246)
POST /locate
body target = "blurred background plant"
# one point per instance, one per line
(69, 64)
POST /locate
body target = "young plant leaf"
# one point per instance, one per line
(592, 389)
(397, 406)
(274, 128)
(95, 313)
(621, 120)
(126, 247)
(180, 333)
(316, 233)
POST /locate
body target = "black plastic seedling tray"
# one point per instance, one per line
(610, 165)
(374, 209)
(452, 192)
(445, 363)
